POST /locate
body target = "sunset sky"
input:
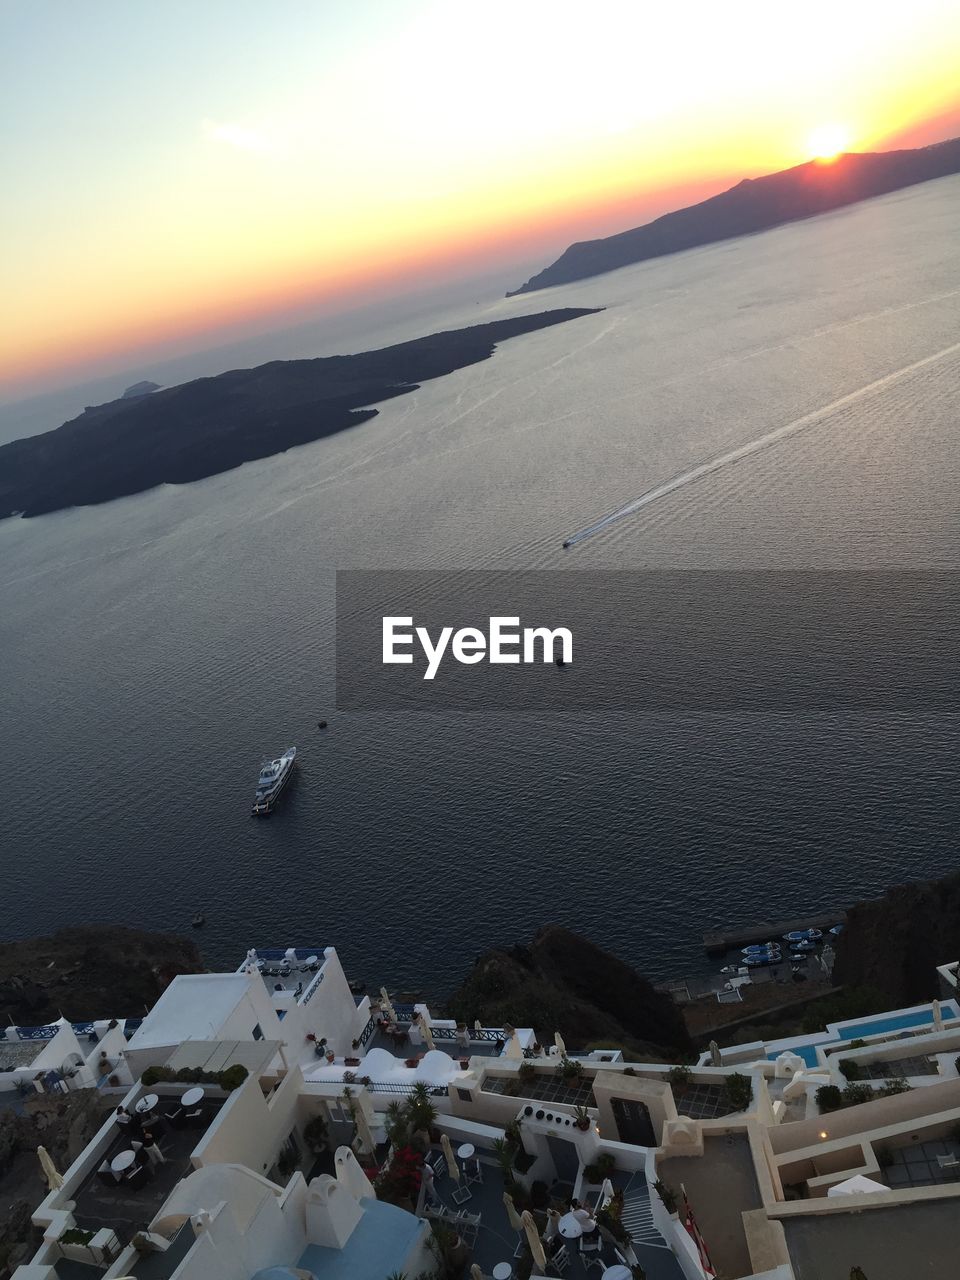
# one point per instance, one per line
(177, 171)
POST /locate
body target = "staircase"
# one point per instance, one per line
(637, 1217)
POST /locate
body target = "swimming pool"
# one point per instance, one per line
(861, 1030)
(895, 1022)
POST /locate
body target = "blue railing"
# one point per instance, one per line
(313, 988)
(36, 1033)
(83, 1028)
(367, 1033)
(280, 953)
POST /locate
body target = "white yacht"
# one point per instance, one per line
(272, 780)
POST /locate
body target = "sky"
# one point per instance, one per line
(174, 174)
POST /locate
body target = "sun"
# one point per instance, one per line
(828, 141)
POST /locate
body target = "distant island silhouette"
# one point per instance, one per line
(756, 204)
(201, 428)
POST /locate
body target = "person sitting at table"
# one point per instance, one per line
(124, 1118)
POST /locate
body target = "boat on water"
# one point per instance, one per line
(804, 935)
(274, 775)
(761, 958)
(756, 947)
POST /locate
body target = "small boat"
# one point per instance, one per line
(804, 945)
(199, 920)
(757, 961)
(274, 775)
(803, 935)
(566, 544)
(768, 949)
(837, 930)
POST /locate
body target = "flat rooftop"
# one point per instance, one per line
(194, 1007)
(286, 969)
(905, 1242)
(721, 1185)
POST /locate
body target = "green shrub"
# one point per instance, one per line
(739, 1090)
(828, 1098)
(891, 1087)
(850, 1069)
(679, 1076)
(527, 1071)
(854, 1094)
(667, 1195)
(228, 1080)
(76, 1235)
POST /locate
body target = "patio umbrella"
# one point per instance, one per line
(452, 1167)
(715, 1058)
(363, 1131)
(558, 1041)
(512, 1215)
(553, 1224)
(514, 1048)
(427, 1034)
(54, 1180)
(858, 1185)
(937, 1016)
(533, 1239)
(478, 1025)
(606, 1193)
(386, 1005)
(476, 1273)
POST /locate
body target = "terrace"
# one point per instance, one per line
(887, 1244)
(721, 1186)
(123, 1208)
(923, 1164)
(295, 970)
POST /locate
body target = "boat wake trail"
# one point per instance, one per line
(746, 450)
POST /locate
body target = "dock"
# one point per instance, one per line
(718, 941)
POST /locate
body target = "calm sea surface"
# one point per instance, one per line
(152, 650)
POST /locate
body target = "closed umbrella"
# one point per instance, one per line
(363, 1131)
(54, 1180)
(514, 1048)
(476, 1273)
(606, 1193)
(427, 1034)
(386, 1005)
(937, 1016)
(716, 1058)
(478, 1025)
(558, 1041)
(452, 1167)
(553, 1224)
(533, 1239)
(512, 1215)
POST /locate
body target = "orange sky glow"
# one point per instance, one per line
(316, 168)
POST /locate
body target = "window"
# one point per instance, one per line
(258, 1032)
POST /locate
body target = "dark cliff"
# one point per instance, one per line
(755, 205)
(90, 972)
(562, 982)
(210, 425)
(894, 943)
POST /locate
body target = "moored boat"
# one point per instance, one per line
(274, 775)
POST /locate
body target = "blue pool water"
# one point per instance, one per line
(860, 1030)
(895, 1022)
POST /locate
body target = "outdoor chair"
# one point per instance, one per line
(462, 1193)
(472, 1170)
(467, 1226)
(591, 1253)
(138, 1177)
(951, 1161)
(438, 1164)
(106, 1174)
(174, 1118)
(560, 1260)
(194, 1119)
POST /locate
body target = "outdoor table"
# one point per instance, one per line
(147, 1103)
(466, 1151)
(616, 1272)
(192, 1098)
(122, 1162)
(571, 1227)
(502, 1271)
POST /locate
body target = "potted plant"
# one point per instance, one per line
(581, 1118)
(679, 1078)
(311, 1037)
(667, 1196)
(464, 1064)
(410, 1062)
(351, 1062)
(315, 1135)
